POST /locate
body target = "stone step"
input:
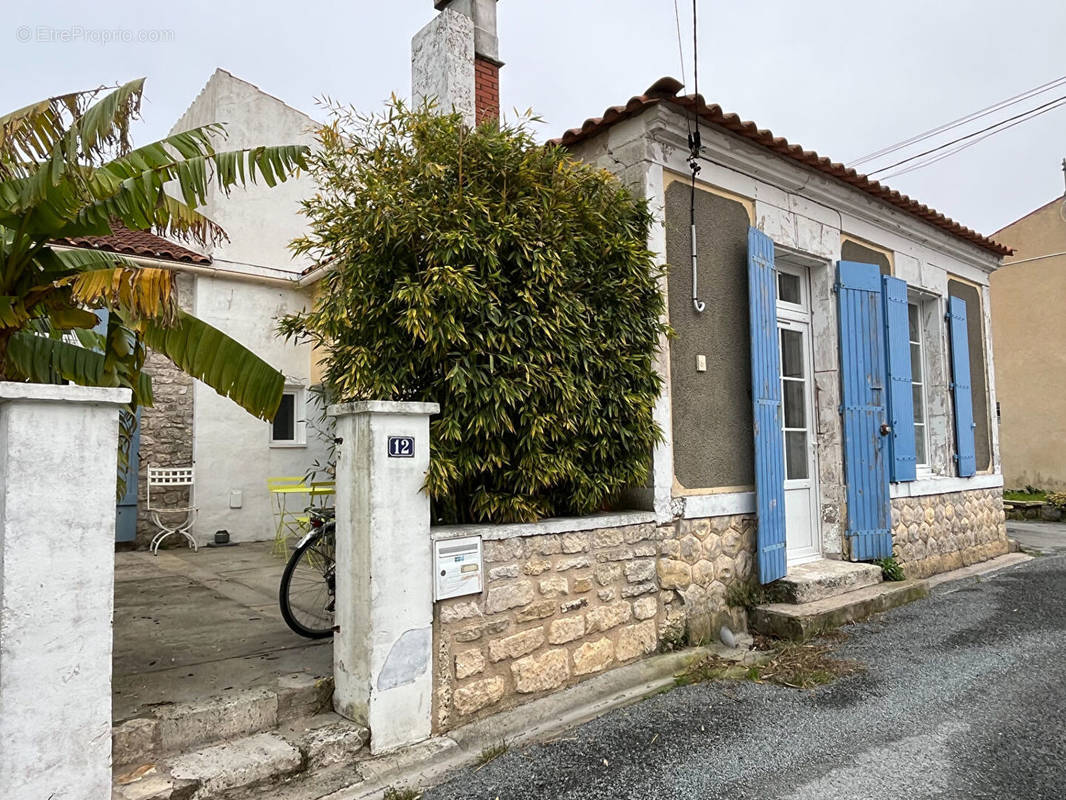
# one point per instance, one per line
(805, 620)
(818, 580)
(324, 745)
(180, 727)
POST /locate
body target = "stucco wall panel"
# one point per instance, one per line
(712, 409)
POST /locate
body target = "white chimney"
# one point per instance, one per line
(455, 60)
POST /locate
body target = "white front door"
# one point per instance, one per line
(802, 529)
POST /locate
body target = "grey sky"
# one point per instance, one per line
(842, 77)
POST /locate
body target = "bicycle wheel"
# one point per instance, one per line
(307, 586)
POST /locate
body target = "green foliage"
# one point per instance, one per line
(68, 169)
(505, 281)
(1057, 499)
(891, 570)
(1028, 494)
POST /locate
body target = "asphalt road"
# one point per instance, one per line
(964, 696)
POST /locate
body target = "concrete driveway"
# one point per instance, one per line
(963, 697)
(192, 625)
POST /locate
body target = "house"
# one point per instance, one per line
(845, 323)
(242, 286)
(828, 399)
(1029, 336)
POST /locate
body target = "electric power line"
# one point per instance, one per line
(941, 156)
(997, 127)
(984, 112)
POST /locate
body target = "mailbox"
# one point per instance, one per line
(457, 568)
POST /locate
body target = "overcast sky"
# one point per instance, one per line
(842, 77)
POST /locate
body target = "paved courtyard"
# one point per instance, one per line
(962, 697)
(189, 625)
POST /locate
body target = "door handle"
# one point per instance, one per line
(885, 429)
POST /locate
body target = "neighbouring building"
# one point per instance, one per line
(241, 286)
(1030, 344)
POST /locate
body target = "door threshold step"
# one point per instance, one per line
(805, 620)
(824, 578)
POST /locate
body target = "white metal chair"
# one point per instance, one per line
(161, 479)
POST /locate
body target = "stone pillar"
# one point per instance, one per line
(382, 649)
(58, 467)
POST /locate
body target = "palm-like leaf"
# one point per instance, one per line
(67, 170)
(40, 359)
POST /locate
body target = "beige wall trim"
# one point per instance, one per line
(886, 252)
(669, 176)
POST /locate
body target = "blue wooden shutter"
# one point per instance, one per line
(903, 460)
(862, 381)
(766, 398)
(965, 458)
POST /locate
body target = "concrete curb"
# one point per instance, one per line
(960, 578)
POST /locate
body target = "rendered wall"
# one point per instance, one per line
(231, 448)
(1029, 333)
(712, 409)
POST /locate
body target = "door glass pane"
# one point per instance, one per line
(795, 454)
(792, 396)
(914, 322)
(788, 288)
(919, 443)
(791, 354)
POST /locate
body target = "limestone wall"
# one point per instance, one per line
(166, 428)
(559, 607)
(939, 532)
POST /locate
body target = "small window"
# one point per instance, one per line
(914, 318)
(288, 427)
(789, 288)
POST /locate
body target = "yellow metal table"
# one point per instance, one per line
(293, 521)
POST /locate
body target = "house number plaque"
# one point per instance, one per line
(401, 447)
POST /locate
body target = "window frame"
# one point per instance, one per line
(299, 424)
(920, 302)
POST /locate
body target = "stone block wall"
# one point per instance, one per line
(166, 427)
(560, 607)
(939, 532)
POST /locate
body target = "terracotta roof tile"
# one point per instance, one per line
(138, 243)
(666, 89)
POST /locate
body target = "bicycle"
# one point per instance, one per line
(307, 594)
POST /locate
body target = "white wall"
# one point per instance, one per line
(232, 449)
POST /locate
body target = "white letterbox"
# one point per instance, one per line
(457, 568)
